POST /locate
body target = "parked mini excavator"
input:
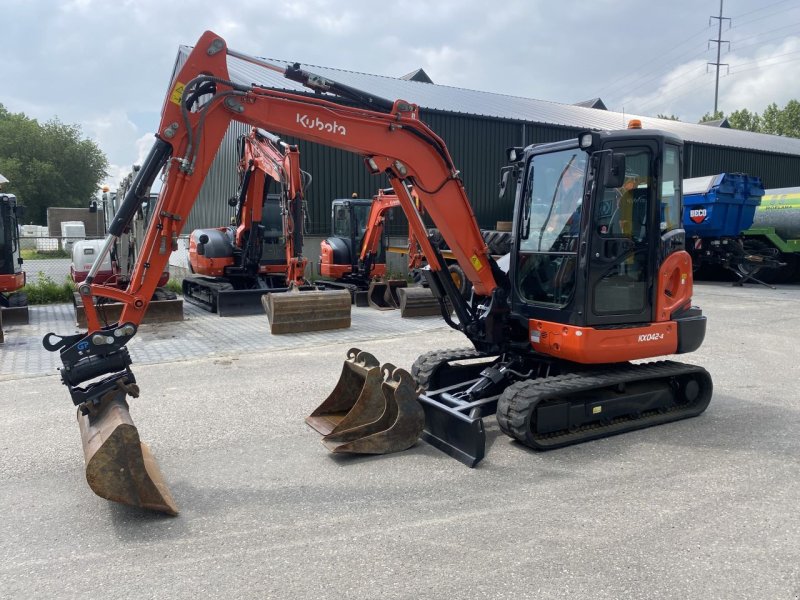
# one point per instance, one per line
(553, 331)
(261, 252)
(13, 302)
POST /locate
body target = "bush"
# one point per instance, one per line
(174, 286)
(46, 291)
(43, 255)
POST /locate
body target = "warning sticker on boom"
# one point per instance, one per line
(476, 262)
(177, 93)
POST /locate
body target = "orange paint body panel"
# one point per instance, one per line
(12, 283)
(587, 345)
(212, 267)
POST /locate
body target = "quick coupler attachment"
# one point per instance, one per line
(119, 467)
(372, 410)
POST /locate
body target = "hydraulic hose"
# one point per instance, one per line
(158, 156)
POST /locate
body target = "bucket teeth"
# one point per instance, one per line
(397, 425)
(119, 467)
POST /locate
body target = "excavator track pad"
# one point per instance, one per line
(119, 467)
(302, 311)
(372, 409)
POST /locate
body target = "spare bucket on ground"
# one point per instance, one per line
(419, 302)
(397, 428)
(376, 295)
(296, 311)
(119, 467)
(356, 399)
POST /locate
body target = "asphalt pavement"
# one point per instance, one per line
(704, 508)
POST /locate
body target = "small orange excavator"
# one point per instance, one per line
(262, 250)
(597, 277)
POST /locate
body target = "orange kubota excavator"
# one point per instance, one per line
(597, 277)
(262, 250)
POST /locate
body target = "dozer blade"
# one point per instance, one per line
(419, 302)
(119, 467)
(297, 312)
(376, 295)
(396, 429)
(357, 398)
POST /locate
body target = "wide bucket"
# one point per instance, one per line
(356, 399)
(298, 312)
(119, 467)
(419, 302)
(396, 429)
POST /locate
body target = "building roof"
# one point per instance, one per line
(417, 75)
(487, 104)
(593, 103)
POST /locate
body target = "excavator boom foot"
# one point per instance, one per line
(119, 467)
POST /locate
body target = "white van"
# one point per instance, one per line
(71, 232)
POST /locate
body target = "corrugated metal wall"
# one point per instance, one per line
(775, 170)
(477, 145)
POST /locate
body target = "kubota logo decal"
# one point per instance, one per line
(698, 215)
(651, 337)
(320, 125)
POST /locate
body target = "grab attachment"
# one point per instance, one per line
(119, 467)
(397, 428)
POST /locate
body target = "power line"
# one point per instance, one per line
(660, 56)
(783, 62)
(739, 16)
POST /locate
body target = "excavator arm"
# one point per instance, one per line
(376, 222)
(197, 111)
(261, 152)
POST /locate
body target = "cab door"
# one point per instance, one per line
(620, 260)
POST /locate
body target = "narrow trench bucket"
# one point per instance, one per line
(297, 312)
(376, 295)
(397, 428)
(390, 296)
(119, 467)
(356, 399)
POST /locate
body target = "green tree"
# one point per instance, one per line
(745, 120)
(667, 117)
(48, 165)
(715, 117)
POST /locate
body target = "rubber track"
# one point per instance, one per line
(519, 400)
(426, 364)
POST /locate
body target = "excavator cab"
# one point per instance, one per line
(592, 234)
(341, 252)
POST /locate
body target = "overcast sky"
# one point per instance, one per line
(105, 64)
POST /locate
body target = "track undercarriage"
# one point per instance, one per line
(545, 403)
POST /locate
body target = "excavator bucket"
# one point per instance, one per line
(393, 285)
(419, 302)
(297, 312)
(119, 467)
(377, 295)
(356, 399)
(397, 428)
